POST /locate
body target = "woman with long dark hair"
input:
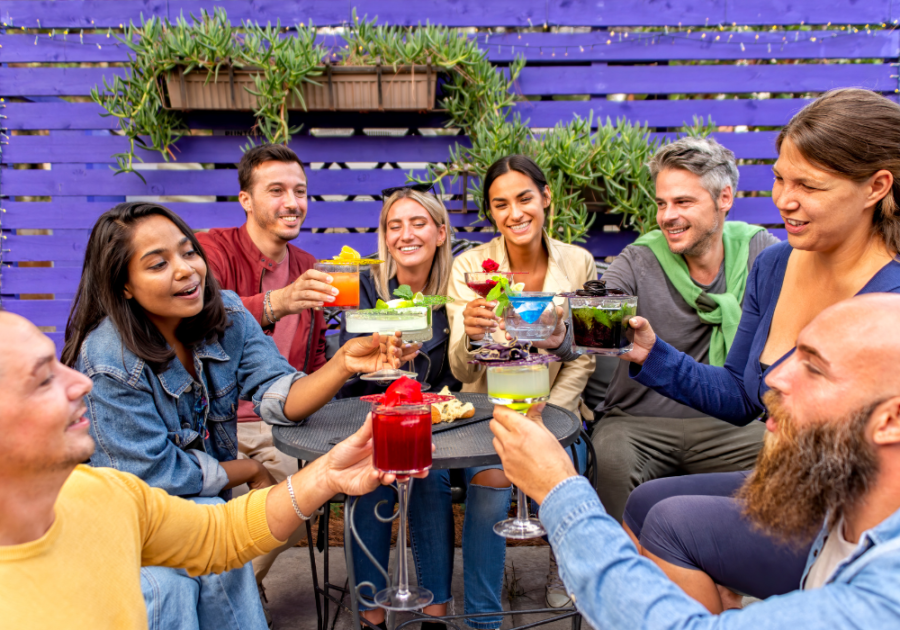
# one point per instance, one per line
(170, 355)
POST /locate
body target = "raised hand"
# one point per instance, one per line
(644, 338)
(479, 318)
(532, 457)
(310, 290)
(556, 337)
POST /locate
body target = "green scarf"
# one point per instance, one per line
(721, 310)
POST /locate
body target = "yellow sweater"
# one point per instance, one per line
(85, 571)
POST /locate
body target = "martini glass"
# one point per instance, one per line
(519, 387)
(402, 446)
(414, 324)
(531, 316)
(481, 282)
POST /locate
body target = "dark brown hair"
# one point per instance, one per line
(260, 154)
(519, 163)
(854, 133)
(101, 291)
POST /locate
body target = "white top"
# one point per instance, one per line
(835, 550)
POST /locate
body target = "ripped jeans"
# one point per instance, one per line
(432, 532)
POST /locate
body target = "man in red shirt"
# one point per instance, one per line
(277, 284)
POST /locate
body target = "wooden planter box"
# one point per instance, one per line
(342, 88)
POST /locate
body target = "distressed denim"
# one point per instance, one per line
(226, 601)
(432, 535)
(613, 587)
(147, 424)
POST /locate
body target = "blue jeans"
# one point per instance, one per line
(432, 532)
(227, 601)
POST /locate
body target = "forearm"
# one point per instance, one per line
(240, 471)
(565, 351)
(311, 490)
(310, 393)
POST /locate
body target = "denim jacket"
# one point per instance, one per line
(165, 428)
(614, 587)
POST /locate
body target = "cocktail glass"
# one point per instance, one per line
(599, 323)
(414, 323)
(402, 447)
(531, 316)
(481, 283)
(345, 280)
(519, 387)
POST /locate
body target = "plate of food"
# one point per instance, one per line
(455, 413)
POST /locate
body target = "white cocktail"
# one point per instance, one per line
(413, 322)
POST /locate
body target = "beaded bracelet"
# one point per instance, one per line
(294, 501)
(267, 308)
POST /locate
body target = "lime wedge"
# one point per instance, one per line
(418, 298)
(381, 305)
(518, 287)
(399, 303)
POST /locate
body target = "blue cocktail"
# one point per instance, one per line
(530, 316)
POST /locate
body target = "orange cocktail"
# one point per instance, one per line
(345, 278)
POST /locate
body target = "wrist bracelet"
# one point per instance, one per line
(267, 308)
(294, 501)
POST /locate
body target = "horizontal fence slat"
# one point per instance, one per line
(656, 113)
(544, 47)
(557, 80)
(76, 181)
(41, 312)
(521, 13)
(228, 149)
(61, 149)
(73, 214)
(69, 180)
(717, 79)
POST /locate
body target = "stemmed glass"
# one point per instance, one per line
(402, 444)
(414, 324)
(519, 387)
(481, 282)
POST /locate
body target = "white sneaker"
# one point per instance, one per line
(555, 591)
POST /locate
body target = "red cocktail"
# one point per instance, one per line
(481, 282)
(402, 438)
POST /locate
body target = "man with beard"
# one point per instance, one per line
(689, 277)
(829, 474)
(278, 285)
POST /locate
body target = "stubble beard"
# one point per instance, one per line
(704, 241)
(805, 475)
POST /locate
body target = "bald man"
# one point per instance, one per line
(73, 538)
(829, 472)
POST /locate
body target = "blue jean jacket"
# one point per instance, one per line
(148, 424)
(614, 587)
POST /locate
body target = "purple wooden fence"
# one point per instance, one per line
(56, 148)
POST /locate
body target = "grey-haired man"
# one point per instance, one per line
(689, 277)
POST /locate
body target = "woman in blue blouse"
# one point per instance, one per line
(837, 186)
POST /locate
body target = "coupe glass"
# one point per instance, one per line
(481, 283)
(414, 324)
(519, 387)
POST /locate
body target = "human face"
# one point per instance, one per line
(688, 216)
(166, 275)
(277, 200)
(821, 210)
(518, 208)
(42, 424)
(411, 235)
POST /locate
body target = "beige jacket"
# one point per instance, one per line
(568, 269)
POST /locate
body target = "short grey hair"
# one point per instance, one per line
(704, 157)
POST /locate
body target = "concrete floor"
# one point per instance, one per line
(291, 602)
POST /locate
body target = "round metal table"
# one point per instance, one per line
(462, 447)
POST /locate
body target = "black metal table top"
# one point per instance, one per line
(469, 445)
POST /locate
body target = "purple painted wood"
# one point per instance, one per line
(68, 213)
(77, 181)
(760, 210)
(544, 47)
(227, 149)
(41, 279)
(103, 13)
(41, 312)
(74, 180)
(715, 79)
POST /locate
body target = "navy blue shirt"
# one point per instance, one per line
(734, 392)
(434, 369)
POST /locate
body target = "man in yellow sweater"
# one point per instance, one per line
(73, 538)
